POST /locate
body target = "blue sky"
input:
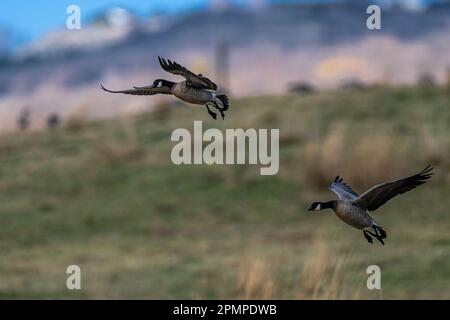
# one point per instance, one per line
(26, 20)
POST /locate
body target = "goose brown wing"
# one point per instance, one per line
(382, 193)
(193, 80)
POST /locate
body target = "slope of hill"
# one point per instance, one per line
(105, 196)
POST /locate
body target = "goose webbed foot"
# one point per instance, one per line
(368, 238)
(380, 232)
(379, 238)
(211, 113)
(220, 109)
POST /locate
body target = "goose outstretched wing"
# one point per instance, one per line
(342, 190)
(141, 91)
(382, 193)
(193, 80)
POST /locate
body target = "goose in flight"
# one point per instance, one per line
(196, 89)
(354, 209)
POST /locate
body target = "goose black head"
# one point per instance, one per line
(315, 206)
(158, 83)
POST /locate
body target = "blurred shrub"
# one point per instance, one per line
(301, 88)
(447, 85)
(118, 147)
(77, 119)
(353, 84)
(162, 111)
(426, 80)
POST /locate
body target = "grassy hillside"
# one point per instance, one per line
(105, 196)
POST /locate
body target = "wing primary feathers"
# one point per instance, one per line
(193, 80)
(342, 190)
(107, 90)
(162, 63)
(338, 179)
(143, 91)
(382, 193)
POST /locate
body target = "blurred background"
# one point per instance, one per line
(86, 177)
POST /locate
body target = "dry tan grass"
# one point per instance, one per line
(362, 160)
(435, 142)
(114, 153)
(324, 276)
(321, 160)
(256, 280)
(111, 150)
(435, 145)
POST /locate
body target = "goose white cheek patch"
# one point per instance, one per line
(236, 146)
(318, 207)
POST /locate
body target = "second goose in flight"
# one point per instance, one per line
(354, 209)
(196, 89)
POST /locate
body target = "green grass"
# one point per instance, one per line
(107, 198)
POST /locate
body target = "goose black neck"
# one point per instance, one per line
(327, 205)
(168, 84)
